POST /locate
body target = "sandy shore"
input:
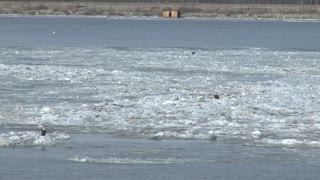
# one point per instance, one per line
(155, 9)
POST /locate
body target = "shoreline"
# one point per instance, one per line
(194, 10)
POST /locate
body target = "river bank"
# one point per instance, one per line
(155, 9)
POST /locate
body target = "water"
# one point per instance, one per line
(92, 32)
(128, 95)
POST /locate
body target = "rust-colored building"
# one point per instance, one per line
(166, 14)
(175, 14)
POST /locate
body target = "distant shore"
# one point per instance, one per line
(201, 10)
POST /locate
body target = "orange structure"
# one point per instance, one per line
(166, 14)
(175, 14)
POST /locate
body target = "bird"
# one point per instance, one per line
(43, 132)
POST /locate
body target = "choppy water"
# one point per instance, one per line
(139, 78)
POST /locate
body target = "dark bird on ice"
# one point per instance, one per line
(43, 132)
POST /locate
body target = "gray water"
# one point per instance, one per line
(125, 98)
(118, 158)
(93, 32)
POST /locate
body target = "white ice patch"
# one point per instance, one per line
(119, 160)
(166, 93)
(287, 142)
(30, 138)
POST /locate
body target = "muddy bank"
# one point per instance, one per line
(155, 9)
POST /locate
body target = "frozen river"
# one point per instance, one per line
(149, 98)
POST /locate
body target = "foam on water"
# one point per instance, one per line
(267, 97)
(288, 142)
(120, 160)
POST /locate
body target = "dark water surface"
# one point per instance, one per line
(145, 32)
(103, 157)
